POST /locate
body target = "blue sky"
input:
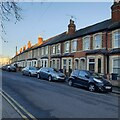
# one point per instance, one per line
(50, 19)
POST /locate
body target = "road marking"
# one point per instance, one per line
(26, 112)
(23, 116)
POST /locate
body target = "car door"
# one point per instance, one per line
(83, 79)
(27, 70)
(46, 73)
(43, 73)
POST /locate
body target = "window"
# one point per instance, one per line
(97, 41)
(66, 47)
(116, 66)
(99, 65)
(86, 43)
(46, 50)
(58, 64)
(53, 49)
(64, 63)
(82, 74)
(82, 64)
(116, 39)
(74, 45)
(92, 64)
(76, 64)
(58, 48)
(70, 63)
(53, 64)
(42, 51)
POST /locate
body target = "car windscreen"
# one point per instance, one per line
(55, 70)
(32, 68)
(95, 75)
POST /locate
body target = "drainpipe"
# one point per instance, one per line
(107, 55)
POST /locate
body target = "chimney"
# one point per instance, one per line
(40, 40)
(115, 11)
(71, 27)
(16, 51)
(20, 50)
(29, 44)
(24, 47)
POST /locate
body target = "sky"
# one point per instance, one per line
(48, 19)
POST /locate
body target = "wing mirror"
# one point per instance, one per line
(87, 76)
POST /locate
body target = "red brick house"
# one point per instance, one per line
(95, 48)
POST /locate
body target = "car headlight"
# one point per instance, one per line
(97, 80)
(55, 76)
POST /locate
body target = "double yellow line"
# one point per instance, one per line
(20, 110)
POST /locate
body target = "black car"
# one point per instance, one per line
(50, 74)
(92, 81)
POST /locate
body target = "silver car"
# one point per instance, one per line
(30, 71)
(50, 74)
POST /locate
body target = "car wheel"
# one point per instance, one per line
(50, 78)
(91, 87)
(70, 83)
(38, 76)
(29, 74)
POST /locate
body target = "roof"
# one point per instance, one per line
(106, 25)
(99, 27)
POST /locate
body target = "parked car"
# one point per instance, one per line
(92, 81)
(4, 67)
(50, 74)
(30, 71)
(11, 68)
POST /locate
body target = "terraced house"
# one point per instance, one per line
(95, 48)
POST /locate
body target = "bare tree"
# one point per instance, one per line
(8, 10)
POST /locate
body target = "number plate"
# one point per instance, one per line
(107, 87)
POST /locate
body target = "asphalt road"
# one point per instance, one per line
(45, 99)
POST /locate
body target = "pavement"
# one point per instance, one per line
(116, 90)
(8, 111)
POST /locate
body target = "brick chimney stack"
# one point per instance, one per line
(24, 47)
(40, 40)
(29, 44)
(71, 27)
(115, 11)
(20, 50)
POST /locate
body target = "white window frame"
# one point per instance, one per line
(42, 52)
(113, 40)
(83, 40)
(46, 50)
(53, 49)
(65, 45)
(72, 45)
(58, 49)
(94, 46)
(117, 66)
